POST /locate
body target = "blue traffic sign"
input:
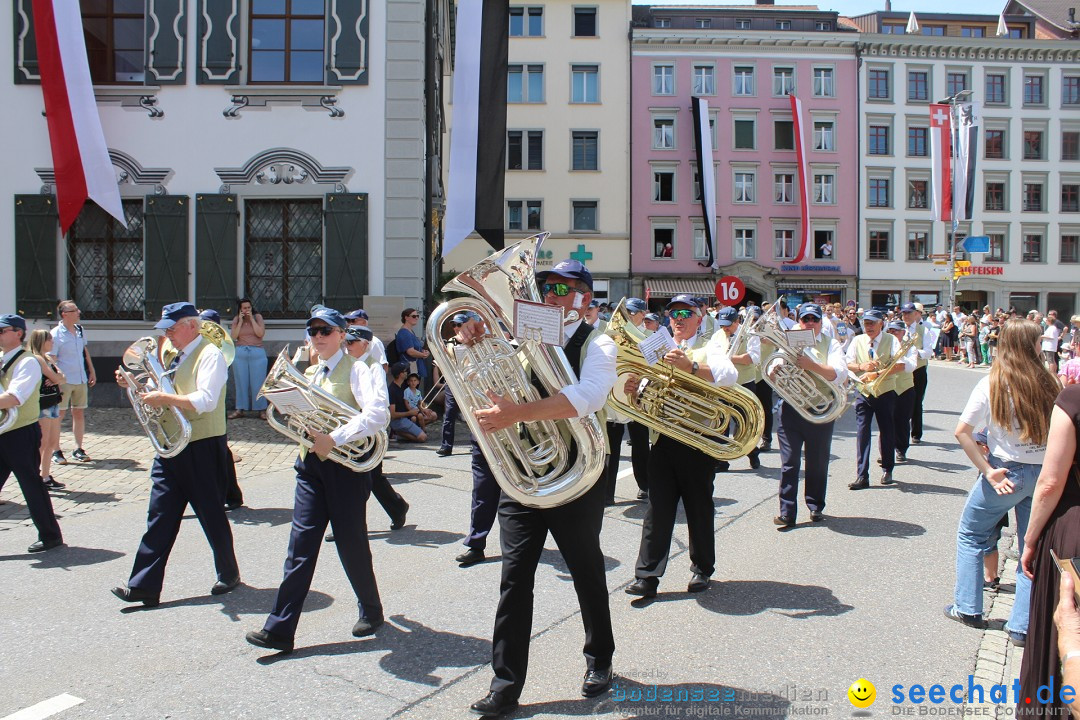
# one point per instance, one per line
(975, 244)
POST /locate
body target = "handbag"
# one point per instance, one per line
(49, 395)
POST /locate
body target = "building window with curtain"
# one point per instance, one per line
(115, 41)
(586, 150)
(663, 79)
(744, 187)
(878, 247)
(824, 188)
(283, 255)
(585, 84)
(997, 247)
(1033, 197)
(704, 80)
(745, 244)
(287, 42)
(664, 185)
(825, 136)
(105, 270)
(918, 245)
(783, 188)
(663, 133)
(584, 219)
(1033, 248)
(1033, 145)
(744, 81)
(995, 144)
(1070, 248)
(823, 82)
(995, 196)
(917, 199)
(783, 243)
(783, 81)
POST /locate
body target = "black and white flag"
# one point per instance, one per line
(703, 144)
(967, 151)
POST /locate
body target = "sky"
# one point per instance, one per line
(860, 7)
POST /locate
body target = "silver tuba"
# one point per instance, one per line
(169, 431)
(328, 413)
(816, 399)
(539, 464)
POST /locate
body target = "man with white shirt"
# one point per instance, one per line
(195, 475)
(329, 492)
(1051, 338)
(924, 350)
(745, 358)
(376, 349)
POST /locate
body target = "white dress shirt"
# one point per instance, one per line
(25, 376)
(210, 375)
(369, 391)
(909, 360)
(597, 375)
(926, 352)
(378, 350)
(836, 361)
(723, 370)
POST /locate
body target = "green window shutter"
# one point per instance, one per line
(25, 44)
(217, 221)
(36, 226)
(346, 249)
(165, 252)
(347, 43)
(218, 42)
(166, 27)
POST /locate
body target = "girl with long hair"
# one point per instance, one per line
(1013, 404)
(48, 417)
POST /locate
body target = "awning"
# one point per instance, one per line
(670, 287)
(838, 285)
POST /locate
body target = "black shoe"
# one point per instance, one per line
(493, 704)
(698, 583)
(222, 586)
(130, 594)
(643, 495)
(398, 520)
(974, 621)
(270, 641)
(230, 506)
(783, 521)
(43, 545)
(80, 455)
(470, 557)
(860, 484)
(886, 478)
(366, 626)
(53, 484)
(329, 537)
(755, 462)
(58, 458)
(596, 682)
(992, 584)
(916, 441)
(901, 457)
(765, 446)
(722, 466)
(643, 587)
(817, 516)
(444, 451)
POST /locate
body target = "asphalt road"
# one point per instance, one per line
(792, 619)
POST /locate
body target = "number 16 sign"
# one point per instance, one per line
(730, 290)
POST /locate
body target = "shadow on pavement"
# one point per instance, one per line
(873, 527)
(244, 600)
(751, 597)
(555, 559)
(404, 477)
(261, 516)
(917, 488)
(411, 535)
(943, 467)
(66, 557)
(87, 497)
(112, 464)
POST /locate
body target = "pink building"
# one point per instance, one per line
(744, 62)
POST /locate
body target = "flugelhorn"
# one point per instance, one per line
(870, 388)
(169, 431)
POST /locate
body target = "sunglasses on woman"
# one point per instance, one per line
(557, 289)
(324, 330)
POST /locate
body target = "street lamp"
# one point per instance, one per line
(953, 101)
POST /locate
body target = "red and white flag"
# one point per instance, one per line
(941, 162)
(80, 157)
(804, 188)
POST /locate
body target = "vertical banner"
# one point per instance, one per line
(941, 162)
(477, 175)
(804, 186)
(703, 145)
(967, 152)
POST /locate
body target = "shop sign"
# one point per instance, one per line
(810, 268)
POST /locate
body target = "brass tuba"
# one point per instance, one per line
(539, 464)
(680, 405)
(169, 431)
(220, 338)
(816, 399)
(328, 413)
(871, 387)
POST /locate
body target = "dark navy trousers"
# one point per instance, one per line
(917, 407)
(485, 500)
(798, 437)
(867, 410)
(451, 413)
(384, 492)
(905, 402)
(20, 453)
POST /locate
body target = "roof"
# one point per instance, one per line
(1055, 12)
(740, 8)
(846, 22)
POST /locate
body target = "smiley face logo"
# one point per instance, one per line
(862, 693)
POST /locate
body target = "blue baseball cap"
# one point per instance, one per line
(636, 305)
(873, 315)
(683, 299)
(358, 332)
(211, 315)
(329, 316)
(896, 325)
(652, 316)
(726, 316)
(594, 304)
(460, 319)
(810, 309)
(358, 314)
(567, 268)
(171, 314)
(14, 321)
(908, 307)
(398, 368)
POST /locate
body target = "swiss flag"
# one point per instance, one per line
(941, 161)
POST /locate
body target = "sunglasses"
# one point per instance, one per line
(557, 289)
(810, 318)
(5, 329)
(414, 316)
(324, 330)
(682, 314)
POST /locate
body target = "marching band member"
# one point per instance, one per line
(575, 525)
(797, 434)
(639, 434)
(327, 491)
(195, 476)
(20, 446)
(865, 355)
(763, 390)
(680, 472)
(905, 395)
(912, 313)
(746, 358)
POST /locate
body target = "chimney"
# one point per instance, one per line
(1072, 15)
(888, 5)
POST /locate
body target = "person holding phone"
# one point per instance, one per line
(249, 366)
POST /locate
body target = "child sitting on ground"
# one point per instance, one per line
(413, 397)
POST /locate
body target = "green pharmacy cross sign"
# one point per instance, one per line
(581, 255)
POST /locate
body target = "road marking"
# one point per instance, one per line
(625, 472)
(46, 708)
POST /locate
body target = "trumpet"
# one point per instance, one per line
(871, 388)
(169, 431)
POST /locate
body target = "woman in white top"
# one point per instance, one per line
(1014, 404)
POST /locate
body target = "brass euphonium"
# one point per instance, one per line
(816, 399)
(221, 339)
(169, 431)
(539, 464)
(871, 387)
(679, 405)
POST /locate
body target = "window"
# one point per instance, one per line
(823, 245)
(1016, 33)
(702, 23)
(917, 197)
(1070, 145)
(745, 246)
(995, 144)
(995, 196)
(584, 215)
(783, 243)
(114, 43)
(997, 247)
(995, 89)
(918, 85)
(955, 82)
(878, 84)
(663, 134)
(700, 250)
(975, 32)
(526, 21)
(824, 136)
(1033, 248)
(1033, 197)
(585, 151)
(783, 81)
(1070, 197)
(823, 82)
(918, 245)
(584, 84)
(742, 24)
(525, 150)
(663, 242)
(916, 141)
(893, 29)
(663, 80)
(879, 140)
(696, 181)
(744, 187)
(823, 25)
(286, 41)
(524, 214)
(105, 273)
(525, 84)
(584, 22)
(1033, 145)
(662, 22)
(704, 80)
(744, 80)
(283, 255)
(938, 30)
(1070, 90)
(1070, 248)
(879, 193)
(1033, 90)
(663, 182)
(878, 247)
(783, 135)
(783, 24)
(783, 187)
(824, 188)
(745, 133)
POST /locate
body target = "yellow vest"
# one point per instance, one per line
(885, 350)
(337, 383)
(203, 425)
(29, 410)
(747, 373)
(905, 379)
(920, 332)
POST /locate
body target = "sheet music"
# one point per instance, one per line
(800, 340)
(933, 332)
(537, 322)
(289, 401)
(657, 345)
